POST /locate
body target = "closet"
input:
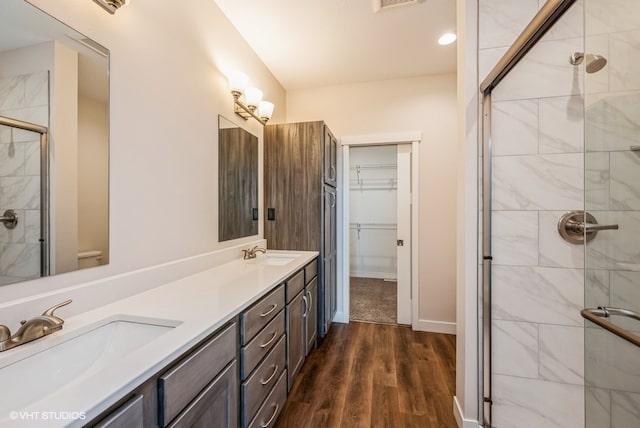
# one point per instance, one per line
(373, 235)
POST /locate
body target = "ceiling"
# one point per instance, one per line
(315, 43)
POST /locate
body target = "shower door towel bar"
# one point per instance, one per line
(598, 315)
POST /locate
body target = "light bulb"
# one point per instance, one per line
(265, 110)
(252, 97)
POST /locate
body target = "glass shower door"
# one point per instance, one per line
(20, 203)
(612, 196)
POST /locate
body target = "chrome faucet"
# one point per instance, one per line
(250, 253)
(32, 329)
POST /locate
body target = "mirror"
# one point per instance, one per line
(54, 146)
(237, 181)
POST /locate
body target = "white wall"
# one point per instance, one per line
(64, 160)
(426, 104)
(466, 398)
(168, 85)
(93, 176)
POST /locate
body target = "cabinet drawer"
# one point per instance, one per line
(263, 379)
(260, 346)
(268, 413)
(254, 319)
(216, 406)
(310, 271)
(294, 285)
(183, 382)
(129, 415)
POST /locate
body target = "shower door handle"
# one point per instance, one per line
(9, 219)
(598, 315)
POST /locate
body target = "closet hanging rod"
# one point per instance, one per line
(375, 166)
(373, 226)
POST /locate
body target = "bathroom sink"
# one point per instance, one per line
(275, 259)
(38, 375)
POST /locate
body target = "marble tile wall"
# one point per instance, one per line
(24, 97)
(537, 175)
(612, 101)
(561, 141)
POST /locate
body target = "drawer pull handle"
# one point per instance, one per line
(275, 412)
(273, 308)
(275, 334)
(275, 371)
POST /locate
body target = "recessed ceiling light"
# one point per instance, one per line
(447, 39)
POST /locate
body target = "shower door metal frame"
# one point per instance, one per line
(546, 17)
(44, 185)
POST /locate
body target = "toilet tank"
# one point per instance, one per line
(89, 258)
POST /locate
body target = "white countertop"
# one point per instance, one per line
(198, 305)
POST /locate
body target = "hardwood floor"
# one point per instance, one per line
(373, 375)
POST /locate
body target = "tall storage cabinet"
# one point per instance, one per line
(300, 197)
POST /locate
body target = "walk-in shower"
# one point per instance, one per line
(24, 200)
(560, 218)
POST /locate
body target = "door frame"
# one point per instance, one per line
(413, 138)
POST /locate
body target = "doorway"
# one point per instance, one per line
(379, 239)
(373, 261)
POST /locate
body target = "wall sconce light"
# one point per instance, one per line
(247, 100)
(112, 6)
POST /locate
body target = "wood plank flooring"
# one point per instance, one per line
(374, 375)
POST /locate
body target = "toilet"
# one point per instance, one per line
(89, 258)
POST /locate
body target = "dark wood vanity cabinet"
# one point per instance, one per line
(311, 316)
(240, 375)
(127, 415)
(296, 349)
(301, 201)
(263, 359)
(199, 389)
(302, 316)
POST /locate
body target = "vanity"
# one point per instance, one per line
(214, 349)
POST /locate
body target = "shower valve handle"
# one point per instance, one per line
(10, 219)
(581, 227)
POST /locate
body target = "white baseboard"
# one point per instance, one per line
(460, 420)
(341, 318)
(376, 275)
(435, 326)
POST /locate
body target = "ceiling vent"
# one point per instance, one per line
(379, 5)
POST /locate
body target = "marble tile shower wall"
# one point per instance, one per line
(538, 174)
(612, 99)
(24, 97)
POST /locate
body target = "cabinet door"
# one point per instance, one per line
(330, 157)
(311, 321)
(216, 406)
(293, 177)
(296, 344)
(333, 286)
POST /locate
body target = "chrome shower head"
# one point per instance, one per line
(595, 63)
